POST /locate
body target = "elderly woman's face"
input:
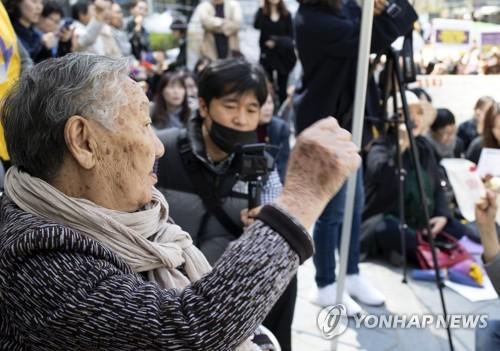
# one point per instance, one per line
(127, 154)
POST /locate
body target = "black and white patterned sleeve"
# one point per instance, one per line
(80, 299)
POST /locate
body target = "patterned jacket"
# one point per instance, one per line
(60, 290)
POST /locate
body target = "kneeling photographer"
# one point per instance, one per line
(221, 175)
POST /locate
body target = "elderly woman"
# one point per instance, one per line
(88, 257)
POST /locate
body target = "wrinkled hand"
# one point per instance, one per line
(49, 40)
(437, 224)
(486, 209)
(323, 157)
(248, 216)
(380, 6)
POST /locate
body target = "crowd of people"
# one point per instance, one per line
(107, 131)
(472, 62)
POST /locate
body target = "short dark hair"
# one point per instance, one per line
(80, 8)
(444, 118)
(232, 76)
(51, 7)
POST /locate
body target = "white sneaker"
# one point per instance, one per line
(327, 296)
(363, 291)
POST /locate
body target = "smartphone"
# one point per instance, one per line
(67, 23)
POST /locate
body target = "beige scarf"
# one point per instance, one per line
(145, 239)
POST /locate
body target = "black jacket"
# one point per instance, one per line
(30, 38)
(138, 40)
(381, 179)
(474, 150)
(327, 43)
(281, 32)
(467, 132)
(62, 290)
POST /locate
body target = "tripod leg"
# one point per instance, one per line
(418, 170)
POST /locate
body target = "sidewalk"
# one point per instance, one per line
(412, 298)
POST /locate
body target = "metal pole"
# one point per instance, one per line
(365, 36)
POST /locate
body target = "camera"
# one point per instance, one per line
(252, 161)
(252, 164)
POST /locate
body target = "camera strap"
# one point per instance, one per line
(211, 201)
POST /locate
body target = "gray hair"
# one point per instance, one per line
(35, 111)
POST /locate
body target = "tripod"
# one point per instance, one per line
(394, 77)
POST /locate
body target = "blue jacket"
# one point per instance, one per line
(327, 43)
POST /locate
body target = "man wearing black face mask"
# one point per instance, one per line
(231, 93)
(197, 171)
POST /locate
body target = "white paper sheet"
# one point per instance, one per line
(487, 292)
(467, 186)
(489, 162)
(466, 183)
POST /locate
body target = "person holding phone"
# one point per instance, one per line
(56, 38)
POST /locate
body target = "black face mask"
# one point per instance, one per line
(227, 139)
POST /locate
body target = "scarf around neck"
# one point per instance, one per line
(146, 240)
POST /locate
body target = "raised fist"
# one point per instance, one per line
(323, 157)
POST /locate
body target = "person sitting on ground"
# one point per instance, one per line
(472, 128)
(490, 137)
(89, 259)
(443, 135)
(170, 106)
(381, 211)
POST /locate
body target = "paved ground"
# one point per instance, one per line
(414, 297)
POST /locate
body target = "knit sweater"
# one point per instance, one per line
(60, 290)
